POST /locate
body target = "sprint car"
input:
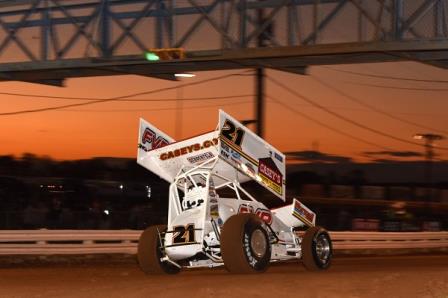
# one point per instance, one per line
(212, 219)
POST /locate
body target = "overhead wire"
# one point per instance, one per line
(306, 116)
(111, 99)
(164, 109)
(373, 108)
(399, 87)
(384, 76)
(125, 99)
(346, 119)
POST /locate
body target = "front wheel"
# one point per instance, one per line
(150, 251)
(245, 245)
(317, 249)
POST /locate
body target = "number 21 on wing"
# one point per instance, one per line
(232, 133)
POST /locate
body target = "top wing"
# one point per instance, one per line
(161, 155)
(240, 154)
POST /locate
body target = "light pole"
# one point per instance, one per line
(429, 156)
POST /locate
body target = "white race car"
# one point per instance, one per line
(212, 219)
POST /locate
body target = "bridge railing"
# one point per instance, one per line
(75, 242)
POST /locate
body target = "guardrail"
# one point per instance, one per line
(52, 242)
(74, 242)
(389, 240)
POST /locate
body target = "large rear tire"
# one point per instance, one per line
(150, 252)
(245, 246)
(317, 250)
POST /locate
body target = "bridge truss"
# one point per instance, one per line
(46, 41)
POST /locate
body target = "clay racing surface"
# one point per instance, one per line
(391, 276)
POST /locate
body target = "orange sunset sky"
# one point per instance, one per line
(110, 129)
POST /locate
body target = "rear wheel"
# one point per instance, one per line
(317, 250)
(150, 251)
(245, 245)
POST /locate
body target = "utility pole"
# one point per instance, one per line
(260, 101)
(179, 108)
(260, 76)
(429, 156)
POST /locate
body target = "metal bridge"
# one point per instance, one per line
(46, 41)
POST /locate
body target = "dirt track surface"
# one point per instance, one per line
(403, 276)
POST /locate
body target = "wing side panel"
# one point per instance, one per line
(252, 155)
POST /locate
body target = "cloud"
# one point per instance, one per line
(316, 156)
(395, 153)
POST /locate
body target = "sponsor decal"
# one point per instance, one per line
(270, 175)
(275, 187)
(249, 169)
(237, 162)
(150, 137)
(201, 157)
(245, 209)
(230, 149)
(188, 149)
(235, 155)
(302, 213)
(230, 154)
(278, 157)
(225, 148)
(264, 214)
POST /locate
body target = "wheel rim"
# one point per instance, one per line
(323, 249)
(258, 243)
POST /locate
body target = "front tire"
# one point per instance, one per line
(317, 250)
(150, 252)
(245, 246)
